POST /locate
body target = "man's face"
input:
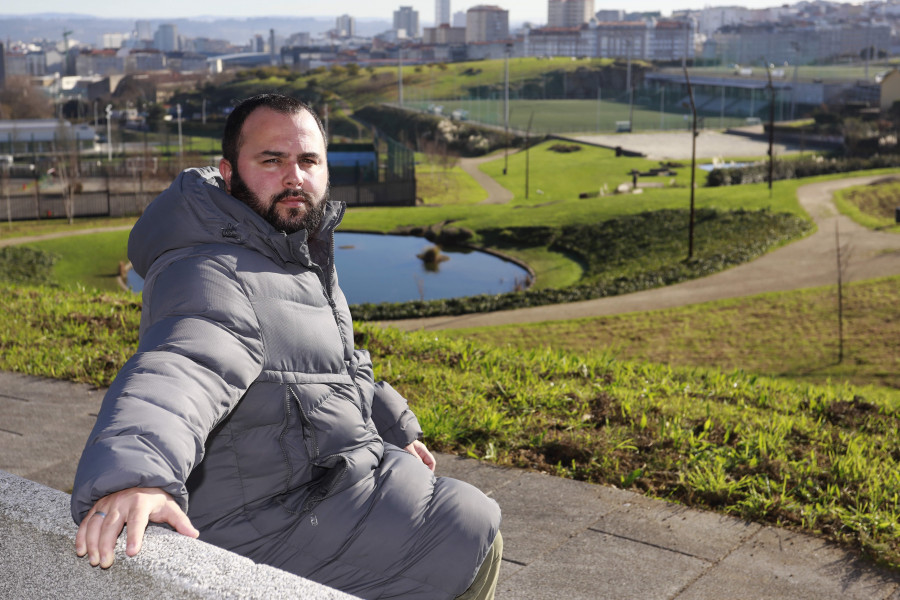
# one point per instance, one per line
(281, 170)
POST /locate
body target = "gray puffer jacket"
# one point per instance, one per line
(246, 397)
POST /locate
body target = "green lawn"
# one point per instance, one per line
(819, 459)
(791, 335)
(91, 260)
(874, 205)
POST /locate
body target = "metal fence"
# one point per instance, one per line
(109, 204)
(52, 206)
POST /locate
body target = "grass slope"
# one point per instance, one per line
(791, 335)
(821, 459)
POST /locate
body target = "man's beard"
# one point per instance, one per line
(291, 223)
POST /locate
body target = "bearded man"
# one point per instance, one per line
(247, 417)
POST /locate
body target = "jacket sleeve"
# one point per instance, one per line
(200, 349)
(390, 412)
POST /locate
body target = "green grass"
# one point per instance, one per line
(443, 182)
(91, 260)
(18, 229)
(790, 335)
(819, 459)
(567, 116)
(872, 206)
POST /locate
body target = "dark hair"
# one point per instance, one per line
(231, 138)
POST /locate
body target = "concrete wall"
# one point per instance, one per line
(37, 559)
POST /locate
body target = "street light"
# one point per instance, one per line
(506, 110)
(180, 145)
(400, 75)
(109, 132)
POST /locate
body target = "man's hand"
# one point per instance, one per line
(419, 450)
(134, 507)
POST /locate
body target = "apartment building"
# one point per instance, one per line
(441, 12)
(345, 26)
(569, 13)
(486, 23)
(444, 35)
(406, 22)
(797, 43)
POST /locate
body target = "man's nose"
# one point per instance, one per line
(293, 176)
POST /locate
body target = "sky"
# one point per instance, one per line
(519, 10)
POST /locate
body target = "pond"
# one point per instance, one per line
(385, 268)
(724, 165)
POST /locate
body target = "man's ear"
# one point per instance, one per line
(225, 171)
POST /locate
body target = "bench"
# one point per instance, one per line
(37, 559)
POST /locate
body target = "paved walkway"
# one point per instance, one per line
(60, 234)
(563, 539)
(810, 262)
(676, 145)
(497, 194)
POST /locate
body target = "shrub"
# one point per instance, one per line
(798, 169)
(26, 265)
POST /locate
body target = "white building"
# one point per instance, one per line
(441, 12)
(569, 13)
(486, 24)
(345, 25)
(166, 38)
(406, 22)
(27, 136)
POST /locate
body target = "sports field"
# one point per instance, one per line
(572, 116)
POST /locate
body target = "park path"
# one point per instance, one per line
(810, 262)
(59, 234)
(497, 194)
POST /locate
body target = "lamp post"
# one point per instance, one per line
(109, 132)
(693, 162)
(506, 110)
(180, 145)
(771, 88)
(400, 75)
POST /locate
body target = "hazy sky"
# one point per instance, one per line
(520, 10)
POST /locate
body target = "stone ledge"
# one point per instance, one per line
(37, 559)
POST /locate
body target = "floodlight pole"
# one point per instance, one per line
(771, 128)
(109, 132)
(506, 111)
(400, 75)
(527, 146)
(693, 162)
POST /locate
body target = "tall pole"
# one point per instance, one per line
(630, 86)
(771, 127)
(400, 75)
(662, 108)
(693, 163)
(109, 132)
(506, 111)
(180, 144)
(527, 146)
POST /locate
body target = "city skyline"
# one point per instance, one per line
(521, 10)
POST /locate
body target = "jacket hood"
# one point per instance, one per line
(196, 210)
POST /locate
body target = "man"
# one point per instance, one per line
(246, 417)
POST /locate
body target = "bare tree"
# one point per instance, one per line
(65, 161)
(843, 258)
(20, 100)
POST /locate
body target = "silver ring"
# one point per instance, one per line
(99, 513)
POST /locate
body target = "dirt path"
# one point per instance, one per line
(810, 262)
(60, 234)
(497, 194)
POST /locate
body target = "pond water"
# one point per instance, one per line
(724, 165)
(384, 268)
